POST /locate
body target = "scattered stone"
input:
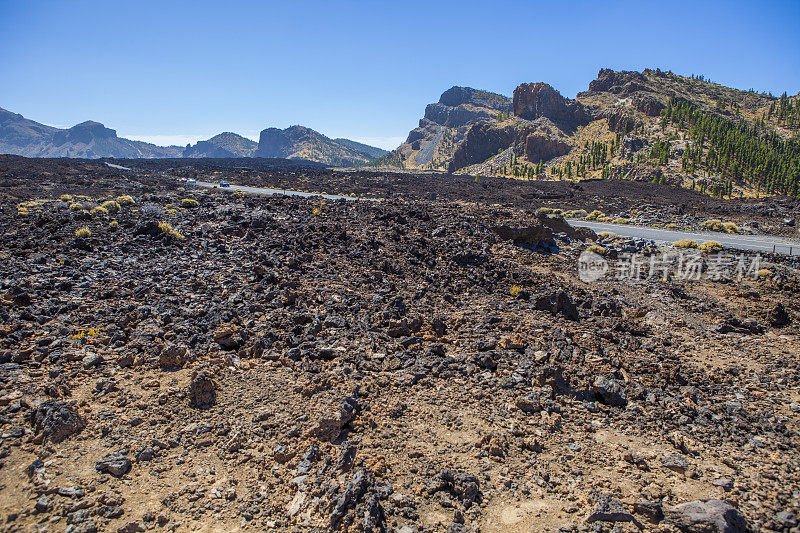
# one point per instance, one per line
(53, 421)
(609, 509)
(173, 356)
(202, 389)
(115, 464)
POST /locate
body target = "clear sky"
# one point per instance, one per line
(173, 72)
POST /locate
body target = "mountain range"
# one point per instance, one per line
(22, 136)
(25, 137)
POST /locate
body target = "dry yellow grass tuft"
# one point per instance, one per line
(711, 246)
(685, 243)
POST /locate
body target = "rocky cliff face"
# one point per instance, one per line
(21, 136)
(298, 142)
(534, 100)
(445, 125)
(221, 146)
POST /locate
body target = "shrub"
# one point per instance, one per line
(711, 246)
(83, 233)
(66, 198)
(515, 290)
(76, 207)
(166, 229)
(577, 213)
(714, 224)
(595, 215)
(620, 220)
(731, 227)
(764, 273)
(110, 206)
(189, 203)
(671, 226)
(596, 248)
(685, 243)
(125, 200)
(113, 225)
(99, 212)
(544, 211)
(607, 234)
(22, 211)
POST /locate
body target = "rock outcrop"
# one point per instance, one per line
(445, 126)
(534, 100)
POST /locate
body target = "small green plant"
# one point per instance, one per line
(110, 206)
(620, 220)
(113, 225)
(544, 211)
(711, 247)
(189, 203)
(166, 229)
(685, 243)
(83, 233)
(764, 273)
(22, 211)
(76, 207)
(125, 200)
(595, 215)
(515, 290)
(671, 226)
(596, 248)
(66, 198)
(607, 234)
(577, 213)
(91, 332)
(99, 212)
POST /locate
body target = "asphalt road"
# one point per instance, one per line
(753, 243)
(287, 192)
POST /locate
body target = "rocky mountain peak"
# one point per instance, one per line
(84, 133)
(535, 100)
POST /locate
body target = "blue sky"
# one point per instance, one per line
(172, 72)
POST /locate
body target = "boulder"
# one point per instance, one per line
(610, 391)
(202, 389)
(53, 421)
(707, 516)
(778, 316)
(532, 235)
(557, 303)
(115, 464)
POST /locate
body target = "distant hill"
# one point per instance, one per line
(298, 142)
(222, 146)
(369, 151)
(22, 136)
(92, 140)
